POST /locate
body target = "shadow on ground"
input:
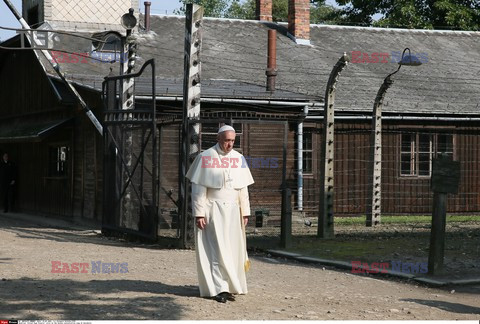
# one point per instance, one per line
(29, 228)
(27, 298)
(446, 306)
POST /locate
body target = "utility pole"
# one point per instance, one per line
(191, 114)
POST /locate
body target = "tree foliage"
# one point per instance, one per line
(211, 8)
(321, 13)
(245, 9)
(422, 14)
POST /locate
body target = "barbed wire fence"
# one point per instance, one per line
(265, 159)
(406, 167)
(406, 172)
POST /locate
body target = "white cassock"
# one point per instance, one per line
(219, 192)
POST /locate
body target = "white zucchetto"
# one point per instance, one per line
(226, 128)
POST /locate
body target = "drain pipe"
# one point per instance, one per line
(300, 161)
(300, 166)
(241, 101)
(271, 60)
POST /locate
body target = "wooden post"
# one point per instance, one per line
(437, 235)
(191, 113)
(325, 213)
(110, 163)
(286, 226)
(445, 179)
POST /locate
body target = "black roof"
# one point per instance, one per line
(234, 56)
(211, 88)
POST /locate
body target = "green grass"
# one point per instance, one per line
(405, 238)
(371, 249)
(405, 219)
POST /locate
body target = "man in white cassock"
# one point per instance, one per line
(220, 204)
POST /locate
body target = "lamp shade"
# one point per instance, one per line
(128, 20)
(411, 60)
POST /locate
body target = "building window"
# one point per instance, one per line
(307, 161)
(109, 50)
(418, 149)
(208, 136)
(112, 44)
(58, 161)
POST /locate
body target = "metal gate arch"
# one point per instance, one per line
(130, 162)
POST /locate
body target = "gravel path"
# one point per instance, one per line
(161, 285)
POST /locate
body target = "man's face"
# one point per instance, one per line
(226, 141)
(5, 157)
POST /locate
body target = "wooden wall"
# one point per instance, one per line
(88, 165)
(24, 88)
(264, 142)
(400, 195)
(413, 195)
(259, 141)
(27, 96)
(168, 159)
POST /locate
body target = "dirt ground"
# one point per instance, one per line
(161, 285)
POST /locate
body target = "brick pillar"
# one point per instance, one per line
(264, 10)
(299, 20)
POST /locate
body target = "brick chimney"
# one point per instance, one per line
(147, 4)
(299, 20)
(263, 10)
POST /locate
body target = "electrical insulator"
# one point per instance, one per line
(132, 54)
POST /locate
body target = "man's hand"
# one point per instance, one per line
(245, 220)
(201, 223)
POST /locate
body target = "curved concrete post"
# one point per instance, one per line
(325, 214)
